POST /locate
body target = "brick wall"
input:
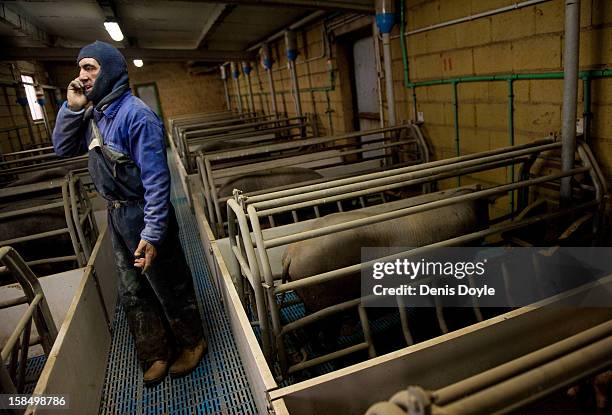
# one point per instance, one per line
(179, 91)
(520, 41)
(324, 88)
(527, 40)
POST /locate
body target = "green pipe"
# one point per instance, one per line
(414, 103)
(511, 136)
(488, 78)
(403, 45)
(328, 88)
(405, 59)
(586, 76)
(586, 112)
(456, 110)
(329, 111)
(506, 77)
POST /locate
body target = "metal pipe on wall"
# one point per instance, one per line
(224, 78)
(236, 74)
(265, 107)
(272, 92)
(266, 61)
(385, 19)
(488, 13)
(570, 92)
(246, 69)
(292, 52)
(40, 99)
(381, 111)
(389, 79)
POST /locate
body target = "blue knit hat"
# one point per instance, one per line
(113, 69)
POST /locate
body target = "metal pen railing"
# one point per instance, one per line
(15, 351)
(333, 156)
(65, 197)
(252, 249)
(266, 131)
(513, 384)
(180, 127)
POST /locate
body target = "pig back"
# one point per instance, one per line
(314, 256)
(268, 179)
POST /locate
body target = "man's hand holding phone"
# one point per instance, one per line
(76, 95)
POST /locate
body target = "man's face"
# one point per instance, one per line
(89, 70)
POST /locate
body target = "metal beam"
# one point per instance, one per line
(217, 15)
(294, 26)
(362, 6)
(69, 54)
(24, 25)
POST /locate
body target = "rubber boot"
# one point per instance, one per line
(156, 373)
(188, 360)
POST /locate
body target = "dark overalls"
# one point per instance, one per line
(160, 305)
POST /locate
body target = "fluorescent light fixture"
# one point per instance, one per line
(138, 63)
(114, 31)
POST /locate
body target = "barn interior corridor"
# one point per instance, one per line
(219, 384)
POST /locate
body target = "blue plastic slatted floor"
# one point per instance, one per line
(219, 384)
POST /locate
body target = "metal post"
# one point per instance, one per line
(511, 136)
(586, 113)
(272, 92)
(296, 88)
(266, 61)
(251, 101)
(227, 97)
(246, 69)
(292, 52)
(238, 95)
(385, 19)
(40, 99)
(456, 122)
(236, 73)
(570, 92)
(224, 78)
(389, 78)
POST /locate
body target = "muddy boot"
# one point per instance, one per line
(188, 360)
(156, 373)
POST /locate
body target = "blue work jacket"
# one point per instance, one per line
(131, 128)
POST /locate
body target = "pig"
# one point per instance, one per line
(39, 222)
(267, 179)
(50, 173)
(325, 253)
(217, 145)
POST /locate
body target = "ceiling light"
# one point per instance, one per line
(138, 63)
(114, 31)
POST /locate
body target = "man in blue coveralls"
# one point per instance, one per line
(128, 166)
